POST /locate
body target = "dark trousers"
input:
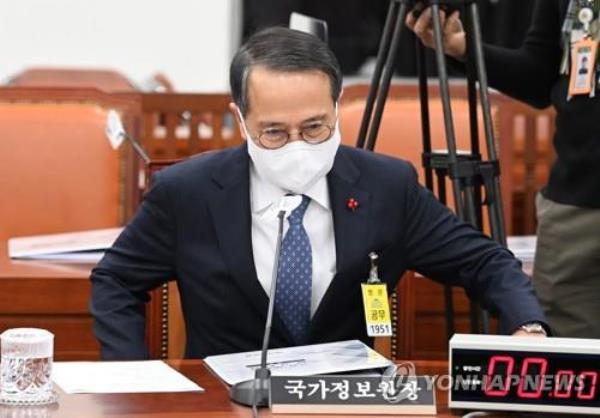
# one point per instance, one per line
(567, 268)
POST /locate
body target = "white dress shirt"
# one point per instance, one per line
(318, 222)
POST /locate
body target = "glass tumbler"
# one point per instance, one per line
(26, 367)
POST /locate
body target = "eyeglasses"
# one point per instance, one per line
(314, 133)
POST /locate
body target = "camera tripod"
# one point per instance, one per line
(471, 176)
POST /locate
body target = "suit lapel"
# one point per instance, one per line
(351, 227)
(230, 209)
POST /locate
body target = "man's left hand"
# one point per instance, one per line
(523, 333)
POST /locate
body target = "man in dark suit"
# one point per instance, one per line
(210, 224)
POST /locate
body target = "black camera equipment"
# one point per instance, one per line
(471, 176)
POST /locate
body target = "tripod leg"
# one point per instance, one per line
(425, 114)
(384, 46)
(494, 196)
(473, 120)
(448, 300)
(470, 216)
(470, 204)
(387, 76)
(461, 206)
(447, 107)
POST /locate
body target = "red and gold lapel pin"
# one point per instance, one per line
(352, 204)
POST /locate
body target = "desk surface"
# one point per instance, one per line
(214, 402)
(31, 287)
(52, 296)
(69, 284)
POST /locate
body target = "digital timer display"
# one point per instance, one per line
(520, 376)
(525, 378)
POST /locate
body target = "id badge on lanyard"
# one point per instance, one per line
(581, 33)
(376, 304)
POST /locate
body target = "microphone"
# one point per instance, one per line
(116, 133)
(256, 392)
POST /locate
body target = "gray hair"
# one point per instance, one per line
(282, 49)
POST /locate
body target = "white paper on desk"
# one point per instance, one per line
(523, 247)
(91, 257)
(120, 377)
(305, 360)
(83, 246)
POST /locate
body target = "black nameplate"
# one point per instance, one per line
(359, 395)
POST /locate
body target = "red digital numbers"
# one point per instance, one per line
(593, 377)
(532, 380)
(490, 383)
(564, 378)
(529, 378)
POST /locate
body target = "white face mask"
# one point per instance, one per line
(298, 165)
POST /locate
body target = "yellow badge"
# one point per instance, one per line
(375, 302)
(377, 310)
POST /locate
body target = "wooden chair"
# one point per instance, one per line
(59, 172)
(179, 125)
(165, 326)
(174, 127)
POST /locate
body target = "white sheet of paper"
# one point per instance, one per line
(120, 377)
(77, 246)
(87, 257)
(523, 247)
(305, 360)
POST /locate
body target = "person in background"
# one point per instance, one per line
(542, 72)
(355, 33)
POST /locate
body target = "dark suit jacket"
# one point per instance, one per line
(195, 225)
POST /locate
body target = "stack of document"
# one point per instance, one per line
(338, 357)
(523, 247)
(79, 247)
(120, 377)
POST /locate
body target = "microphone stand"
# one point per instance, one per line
(257, 392)
(139, 150)
(470, 175)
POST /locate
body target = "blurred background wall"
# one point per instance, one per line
(192, 41)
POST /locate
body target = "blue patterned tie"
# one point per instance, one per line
(294, 282)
